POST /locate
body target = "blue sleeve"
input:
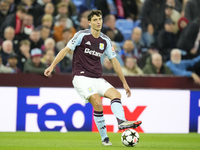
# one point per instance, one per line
(75, 40)
(191, 62)
(110, 51)
(177, 71)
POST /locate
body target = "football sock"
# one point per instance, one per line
(100, 123)
(118, 110)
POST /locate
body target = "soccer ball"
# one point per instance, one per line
(130, 138)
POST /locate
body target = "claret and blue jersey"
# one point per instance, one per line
(87, 53)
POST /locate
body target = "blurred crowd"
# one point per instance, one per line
(150, 37)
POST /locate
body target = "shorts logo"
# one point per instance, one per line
(101, 46)
(90, 90)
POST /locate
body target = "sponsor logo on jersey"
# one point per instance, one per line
(101, 46)
(92, 52)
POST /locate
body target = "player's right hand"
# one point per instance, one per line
(48, 71)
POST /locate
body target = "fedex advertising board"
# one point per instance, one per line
(62, 109)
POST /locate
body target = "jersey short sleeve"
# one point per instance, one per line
(109, 51)
(75, 41)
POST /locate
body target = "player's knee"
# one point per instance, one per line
(96, 103)
(117, 95)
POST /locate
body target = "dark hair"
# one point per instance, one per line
(92, 13)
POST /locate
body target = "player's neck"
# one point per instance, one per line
(95, 33)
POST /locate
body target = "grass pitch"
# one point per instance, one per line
(92, 141)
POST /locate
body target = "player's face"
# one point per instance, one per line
(96, 22)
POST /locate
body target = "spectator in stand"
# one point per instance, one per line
(155, 65)
(39, 8)
(139, 47)
(30, 4)
(48, 9)
(9, 34)
(109, 22)
(83, 24)
(4, 69)
(107, 66)
(132, 8)
(62, 9)
(182, 24)
(34, 64)
(189, 41)
(142, 61)
(12, 62)
(35, 39)
(70, 6)
(66, 63)
(128, 50)
(47, 21)
(48, 58)
(182, 67)
(192, 10)
(117, 8)
(58, 29)
(12, 8)
(14, 20)
(23, 53)
(7, 49)
(172, 13)
(49, 44)
(167, 39)
(45, 33)
(4, 7)
(66, 35)
(130, 67)
(27, 26)
(139, 6)
(153, 18)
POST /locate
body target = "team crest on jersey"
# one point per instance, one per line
(90, 90)
(101, 46)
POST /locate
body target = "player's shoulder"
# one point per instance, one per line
(86, 31)
(105, 37)
(102, 35)
(80, 34)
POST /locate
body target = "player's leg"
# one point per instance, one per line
(86, 88)
(118, 110)
(96, 102)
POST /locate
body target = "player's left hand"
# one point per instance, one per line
(127, 88)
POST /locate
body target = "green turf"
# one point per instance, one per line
(91, 141)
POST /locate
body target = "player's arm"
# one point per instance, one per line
(118, 70)
(58, 58)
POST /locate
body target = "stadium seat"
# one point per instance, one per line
(80, 5)
(125, 26)
(137, 23)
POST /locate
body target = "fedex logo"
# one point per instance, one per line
(61, 109)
